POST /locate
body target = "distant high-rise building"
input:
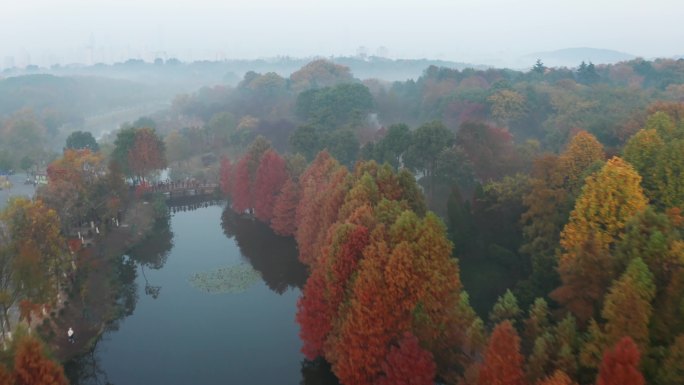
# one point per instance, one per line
(24, 59)
(382, 51)
(8, 62)
(90, 50)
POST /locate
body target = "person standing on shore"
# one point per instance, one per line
(70, 335)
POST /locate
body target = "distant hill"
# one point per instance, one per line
(71, 96)
(186, 77)
(396, 69)
(572, 57)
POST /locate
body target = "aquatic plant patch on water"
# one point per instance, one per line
(231, 279)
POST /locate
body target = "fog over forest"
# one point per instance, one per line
(358, 193)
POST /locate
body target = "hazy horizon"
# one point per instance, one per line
(495, 32)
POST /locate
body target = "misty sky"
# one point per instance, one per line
(42, 31)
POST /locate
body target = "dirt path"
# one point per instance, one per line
(89, 309)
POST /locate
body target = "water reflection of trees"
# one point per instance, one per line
(124, 289)
(153, 252)
(275, 257)
(85, 369)
(317, 372)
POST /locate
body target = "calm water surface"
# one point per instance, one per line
(18, 189)
(179, 334)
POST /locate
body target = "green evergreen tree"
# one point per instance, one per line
(505, 308)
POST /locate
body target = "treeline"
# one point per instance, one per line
(174, 73)
(40, 267)
(346, 224)
(600, 254)
(469, 136)
(544, 104)
(37, 112)
(37, 265)
(85, 191)
(67, 100)
(450, 127)
(522, 166)
(323, 106)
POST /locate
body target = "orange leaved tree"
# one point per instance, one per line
(503, 363)
(32, 367)
(270, 177)
(408, 364)
(609, 199)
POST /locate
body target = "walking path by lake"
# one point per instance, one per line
(89, 310)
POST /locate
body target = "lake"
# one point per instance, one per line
(19, 188)
(184, 332)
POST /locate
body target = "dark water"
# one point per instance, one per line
(178, 334)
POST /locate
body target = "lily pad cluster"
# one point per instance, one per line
(231, 279)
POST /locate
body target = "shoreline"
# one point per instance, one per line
(91, 303)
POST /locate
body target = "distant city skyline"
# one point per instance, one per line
(495, 32)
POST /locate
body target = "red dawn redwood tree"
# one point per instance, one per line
(321, 195)
(621, 365)
(408, 364)
(32, 367)
(503, 363)
(326, 289)
(285, 209)
(270, 177)
(369, 325)
(314, 315)
(242, 190)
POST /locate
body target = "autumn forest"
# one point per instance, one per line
(472, 226)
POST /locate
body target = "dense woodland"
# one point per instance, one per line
(467, 227)
(590, 272)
